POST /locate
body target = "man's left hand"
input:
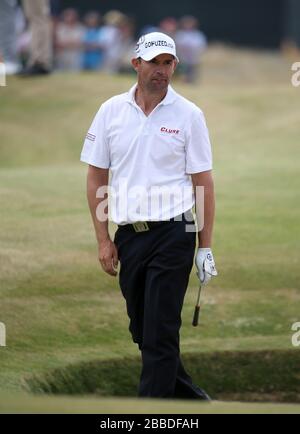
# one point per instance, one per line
(205, 265)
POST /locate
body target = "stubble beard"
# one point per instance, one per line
(157, 86)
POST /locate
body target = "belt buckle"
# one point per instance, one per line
(140, 226)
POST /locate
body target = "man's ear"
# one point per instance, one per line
(135, 63)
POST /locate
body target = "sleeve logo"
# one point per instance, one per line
(91, 137)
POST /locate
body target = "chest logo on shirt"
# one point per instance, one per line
(169, 130)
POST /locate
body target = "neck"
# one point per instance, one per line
(148, 100)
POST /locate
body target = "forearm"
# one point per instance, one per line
(205, 207)
(206, 234)
(97, 178)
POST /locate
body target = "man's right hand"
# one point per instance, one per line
(108, 257)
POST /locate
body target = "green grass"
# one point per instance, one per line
(60, 309)
(23, 403)
(261, 376)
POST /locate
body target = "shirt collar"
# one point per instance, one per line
(168, 99)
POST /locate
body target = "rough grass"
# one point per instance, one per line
(60, 308)
(243, 376)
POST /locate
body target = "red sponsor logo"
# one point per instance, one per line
(169, 130)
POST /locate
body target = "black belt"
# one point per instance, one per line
(148, 225)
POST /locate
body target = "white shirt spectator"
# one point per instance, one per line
(190, 45)
(69, 41)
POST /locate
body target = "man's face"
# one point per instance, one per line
(155, 74)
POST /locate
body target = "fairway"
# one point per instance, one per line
(61, 310)
(20, 403)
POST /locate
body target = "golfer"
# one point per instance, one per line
(155, 144)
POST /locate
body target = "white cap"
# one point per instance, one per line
(153, 44)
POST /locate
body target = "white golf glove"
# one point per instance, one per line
(205, 265)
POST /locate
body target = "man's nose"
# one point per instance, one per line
(160, 69)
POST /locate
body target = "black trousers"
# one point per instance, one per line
(154, 275)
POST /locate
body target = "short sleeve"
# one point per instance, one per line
(95, 149)
(198, 147)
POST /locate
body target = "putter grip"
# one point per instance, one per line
(196, 316)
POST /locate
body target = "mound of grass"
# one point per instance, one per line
(243, 376)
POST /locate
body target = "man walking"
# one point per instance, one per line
(156, 145)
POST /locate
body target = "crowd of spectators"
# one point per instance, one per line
(94, 43)
(104, 42)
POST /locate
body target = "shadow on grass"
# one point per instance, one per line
(244, 376)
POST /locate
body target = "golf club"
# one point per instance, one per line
(197, 309)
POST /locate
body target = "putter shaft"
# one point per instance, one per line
(197, 309)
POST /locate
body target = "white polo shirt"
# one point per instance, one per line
(150, 157)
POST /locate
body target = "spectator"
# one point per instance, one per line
(191, 44)
(93, 54)
(8, 38)
(111, 40)
(169, 26)
(55, 6)
(39, 18)
(69, 37)
(23, 43)
(148, 28)
(127, 45)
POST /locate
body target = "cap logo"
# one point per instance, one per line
(140, 42)
(153, 44)
(159, 44)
